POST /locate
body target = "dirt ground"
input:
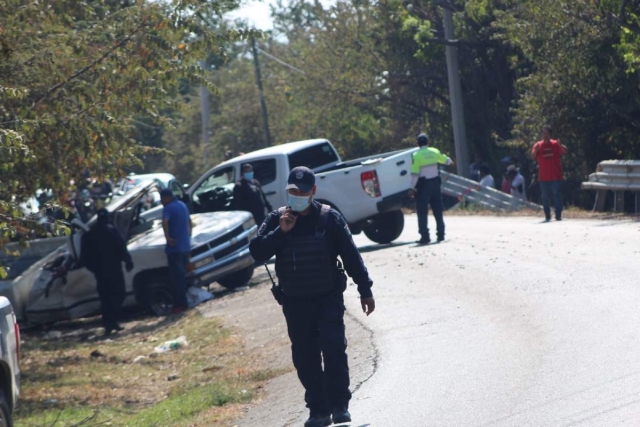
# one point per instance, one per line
(260, 318)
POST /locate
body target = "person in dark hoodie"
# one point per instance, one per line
(248, 196)
(103, 252)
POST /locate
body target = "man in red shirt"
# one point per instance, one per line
(547, 153)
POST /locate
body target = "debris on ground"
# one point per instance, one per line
(96, 353)
(172, 345)
(196, 296)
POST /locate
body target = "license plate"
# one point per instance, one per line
(203, 262)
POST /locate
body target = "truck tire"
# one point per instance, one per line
(385, 227)
(5, 412)
(237, 279)
(158, 295)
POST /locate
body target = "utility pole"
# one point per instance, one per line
(263, 104)
(455, 94)
(205, 113)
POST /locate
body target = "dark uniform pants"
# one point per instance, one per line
(429, 193)
(317, 333)
(112, 293)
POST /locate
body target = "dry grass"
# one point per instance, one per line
(78, 376)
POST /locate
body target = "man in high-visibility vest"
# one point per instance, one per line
(425, 186)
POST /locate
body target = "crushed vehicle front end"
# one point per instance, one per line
(220, 252)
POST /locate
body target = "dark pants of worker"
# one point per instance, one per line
(317, 333)
(111, 290)
(429, 194)
(178, 273)
(547, 188)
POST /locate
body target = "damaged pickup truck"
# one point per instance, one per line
(59, 287)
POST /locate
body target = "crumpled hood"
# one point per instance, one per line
(206, 227)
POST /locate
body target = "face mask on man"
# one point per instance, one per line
(298, 203)
(248, 176)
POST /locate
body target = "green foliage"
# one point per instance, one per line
(76, 78)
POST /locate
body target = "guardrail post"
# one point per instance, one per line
(618, 205)
(601, 198)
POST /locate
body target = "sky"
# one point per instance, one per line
(257, 13)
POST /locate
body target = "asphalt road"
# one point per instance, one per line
(510, 322)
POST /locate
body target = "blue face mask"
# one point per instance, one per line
(248, 176)
(298, 203)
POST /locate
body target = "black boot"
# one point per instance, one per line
(341, 415)
(318, 421)
(424, 240)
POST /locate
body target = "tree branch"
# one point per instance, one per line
(80, 72)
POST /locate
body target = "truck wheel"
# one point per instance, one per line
(158, 296)
(237, 279)
(385, 227)
(5, 413)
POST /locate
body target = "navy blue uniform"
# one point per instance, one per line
(248, 196)
(316, 324)
(103, 252)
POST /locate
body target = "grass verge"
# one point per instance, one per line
(80, 379)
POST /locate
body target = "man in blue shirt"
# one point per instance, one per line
(176, 222)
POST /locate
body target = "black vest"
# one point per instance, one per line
(304, 266)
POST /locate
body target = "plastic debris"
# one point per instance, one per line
(197, 296)
(172, 345)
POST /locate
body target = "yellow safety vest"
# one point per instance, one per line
(427, 156)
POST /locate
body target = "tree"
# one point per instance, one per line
(76, 78)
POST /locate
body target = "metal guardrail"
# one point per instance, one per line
(490, 198)
(618, 176)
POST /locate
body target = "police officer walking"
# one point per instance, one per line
(248, 195)
(103, 252)
(425, 186)
(306, 239)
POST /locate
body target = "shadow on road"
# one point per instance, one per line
(377, 247)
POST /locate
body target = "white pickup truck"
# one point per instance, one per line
(369, 191)
(9, 362)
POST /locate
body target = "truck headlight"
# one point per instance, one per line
(248, 224)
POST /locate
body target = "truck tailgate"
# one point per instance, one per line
(394, 173)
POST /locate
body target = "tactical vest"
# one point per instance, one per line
(304, 266)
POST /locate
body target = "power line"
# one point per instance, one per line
(280, 61)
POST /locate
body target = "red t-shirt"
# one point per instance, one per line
(549, 163)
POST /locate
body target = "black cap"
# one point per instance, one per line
(301, 178)
(165, 192)
(103, 214)
(423, 139)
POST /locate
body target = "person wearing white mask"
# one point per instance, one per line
(306, 238)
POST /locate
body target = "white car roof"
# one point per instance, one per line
(164, 178)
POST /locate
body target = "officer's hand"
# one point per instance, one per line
(171, 241)
(368, 305)
(412, 192)
(129, 266)
(288, 221)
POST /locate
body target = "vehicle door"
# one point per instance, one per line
(177, 189)
(46, 296)
(215, 192)
(79, 290)
(266, 172)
